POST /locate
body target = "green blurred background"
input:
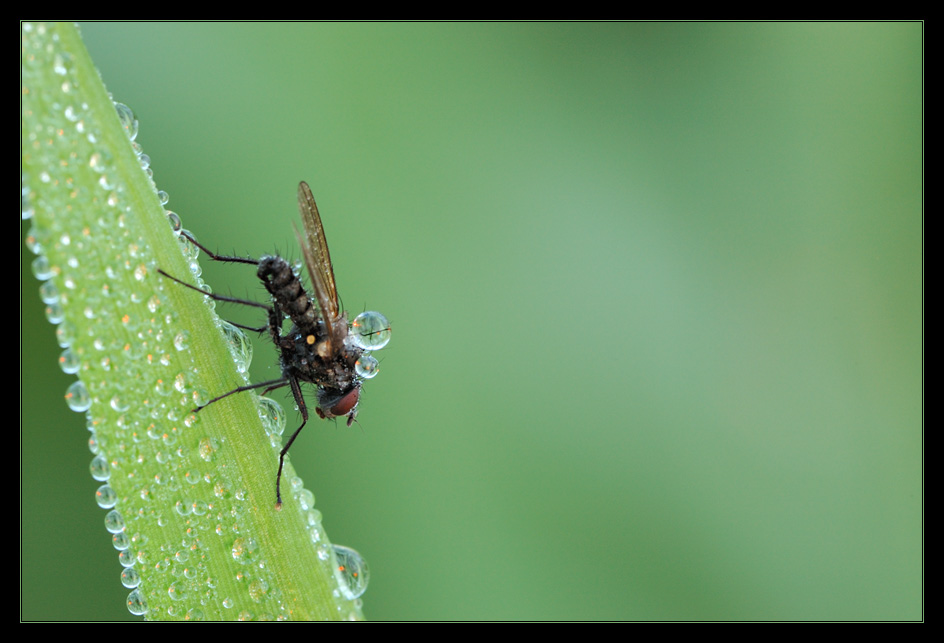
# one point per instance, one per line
(656, 291)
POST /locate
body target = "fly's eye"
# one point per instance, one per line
(346, 404)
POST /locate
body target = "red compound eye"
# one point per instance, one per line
(346, 404)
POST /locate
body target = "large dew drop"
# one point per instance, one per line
(370, 330)
(352, 572)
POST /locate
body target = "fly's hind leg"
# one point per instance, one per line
(271, 385)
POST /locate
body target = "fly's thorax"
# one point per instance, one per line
(305, 356)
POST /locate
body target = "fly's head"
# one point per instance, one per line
(347, 362)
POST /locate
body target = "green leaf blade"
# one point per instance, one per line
(189, 496)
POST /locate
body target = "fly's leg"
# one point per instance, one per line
(300, 401)
(255, 329)
(273, 315)
(215, 297)
(216, 257)
(274, 326)
(232, 300)
(271, 384)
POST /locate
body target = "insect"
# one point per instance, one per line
(321, 348)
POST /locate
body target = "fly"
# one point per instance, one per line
(321, 348)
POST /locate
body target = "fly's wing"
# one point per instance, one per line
(318, 260)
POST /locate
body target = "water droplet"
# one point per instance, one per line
(244, 550)
(120, 541)
(68, 362)
(182, 341)
(220, 490)
(105, 183)
(367, 366)
(199, 397)
(189, 250)
(99, 468)
(130, 577)
(370, 330)
(77, 397)
(174, 220)
(306, 500)
(128, 121)
(258, 589)
(239, 346)
(118, 404)
(65, 334)
(32, 240)
(48, 292)
(59, 64)
(114, 522)
(41, 268)
(106, 497)
(272, 415)
(177, 591)
(54, 313)
(352, 572)
(207, 448)
(136, 603)
(181, 383)
(154, 303)
(97, 162)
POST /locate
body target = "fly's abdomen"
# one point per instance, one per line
(287, 291)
